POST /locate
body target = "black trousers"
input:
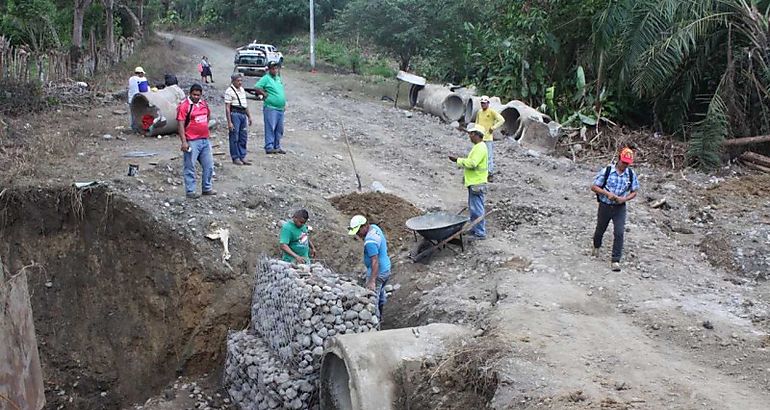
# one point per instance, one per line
(616, 214)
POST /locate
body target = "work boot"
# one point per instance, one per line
(490, 178)
(615, 266)
(193, 195)
(244, 162)
(238, 162)
(594, 252)
(280, 151)
(209, 193)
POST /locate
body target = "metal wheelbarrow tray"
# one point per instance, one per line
(438, 229)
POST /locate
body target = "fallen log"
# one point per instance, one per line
(747, 140)
(758, 159)
(756, 167)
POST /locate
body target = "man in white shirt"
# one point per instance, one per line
(238, 119)
(136, 84)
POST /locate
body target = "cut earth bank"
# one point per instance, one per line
(126, 288)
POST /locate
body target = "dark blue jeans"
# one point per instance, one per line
(239, 135)
(476, 209)
(273, 128)
(616, 214)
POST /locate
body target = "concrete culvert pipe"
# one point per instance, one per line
(414, 91)
(161, 106)
(441, 102)
(359, 370)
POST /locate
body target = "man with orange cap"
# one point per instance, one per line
(614, 186)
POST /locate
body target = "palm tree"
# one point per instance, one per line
(703, 64)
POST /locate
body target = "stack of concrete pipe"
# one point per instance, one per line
(438, 100)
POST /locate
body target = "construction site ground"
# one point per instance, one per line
(684, 325)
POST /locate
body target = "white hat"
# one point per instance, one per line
(139, 70)
(484, 99)
(356, 223)
(471, 127)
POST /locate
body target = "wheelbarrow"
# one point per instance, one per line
(438, 229)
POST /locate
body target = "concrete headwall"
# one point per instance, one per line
(21, 379)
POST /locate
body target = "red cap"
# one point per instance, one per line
(627, 156)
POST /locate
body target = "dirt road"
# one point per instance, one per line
(577, 335)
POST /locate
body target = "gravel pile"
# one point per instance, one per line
(276, 362)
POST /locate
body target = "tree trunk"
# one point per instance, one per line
(78, 12)
(141, 11)
(755, 158)
(109, 28)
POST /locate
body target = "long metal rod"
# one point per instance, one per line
(358, 178)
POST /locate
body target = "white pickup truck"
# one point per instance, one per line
(273, 55)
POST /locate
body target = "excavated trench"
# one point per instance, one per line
(121, 304)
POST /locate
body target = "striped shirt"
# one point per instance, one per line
(618, 184)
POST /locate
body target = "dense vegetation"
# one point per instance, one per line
(694, 68)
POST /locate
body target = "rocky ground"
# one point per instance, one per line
(684, 325)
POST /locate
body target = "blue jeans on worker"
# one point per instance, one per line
(382, 296)
(200, 151)
(616, 214)
(273, 128)
(476, 209)
(239, 135)
(490, 156)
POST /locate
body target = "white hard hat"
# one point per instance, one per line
(356, 223)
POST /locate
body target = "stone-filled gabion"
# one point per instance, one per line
(275, 364)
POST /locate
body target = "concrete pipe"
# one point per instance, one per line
(414, 90)
(161, 106)
(441, 102)
(473, 105)
(358, 370)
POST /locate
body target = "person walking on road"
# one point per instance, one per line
(614, 186)
(376, 257)
(489, 120)
(475, 176)
(270, 87)
(206, 70)
(136, 84)
(238, 119)
(193, 116)
(295, 243)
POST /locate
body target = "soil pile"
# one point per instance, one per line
(387, 211)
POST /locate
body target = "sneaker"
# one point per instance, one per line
(193, 195)
(238, 162)
(615, 266)
(595, 252)
(271, 151)
(209, 193)
(280, 151)
(244, 162)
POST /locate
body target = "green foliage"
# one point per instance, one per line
(30, 22)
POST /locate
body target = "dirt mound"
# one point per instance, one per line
(388, 211)
(465, 378)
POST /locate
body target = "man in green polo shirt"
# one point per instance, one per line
(295, 241)
(270, 87)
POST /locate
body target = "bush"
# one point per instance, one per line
(20, 97)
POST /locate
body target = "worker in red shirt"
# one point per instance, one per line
(193, 114)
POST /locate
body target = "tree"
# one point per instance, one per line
(78, 12)
(402, 27)
(109, 27)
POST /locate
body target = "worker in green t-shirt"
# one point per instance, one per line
(295, 243)
(270, 87)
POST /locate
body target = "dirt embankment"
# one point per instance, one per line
(122, 305)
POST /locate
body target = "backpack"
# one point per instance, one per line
(607, 176)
